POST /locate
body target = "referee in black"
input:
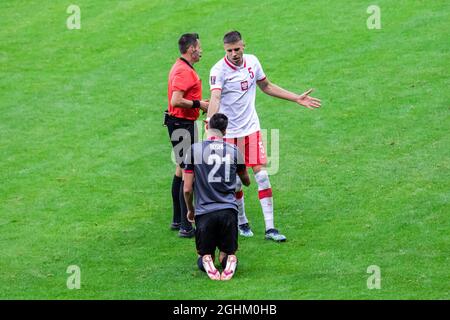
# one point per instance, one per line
(210, 174)
(184, 102)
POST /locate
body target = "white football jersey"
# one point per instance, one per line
(238, 85)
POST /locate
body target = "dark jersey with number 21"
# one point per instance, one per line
(214, 164)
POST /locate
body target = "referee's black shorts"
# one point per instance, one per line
(182, 133)
(218, 229)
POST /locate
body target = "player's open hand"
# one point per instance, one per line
(190, 216)
(308, 102)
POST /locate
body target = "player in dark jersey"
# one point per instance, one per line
(210, 174)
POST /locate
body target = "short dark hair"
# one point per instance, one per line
(232, 37)
(187, 40)
(218, 121)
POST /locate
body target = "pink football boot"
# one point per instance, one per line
(211, 271)
(228, 273)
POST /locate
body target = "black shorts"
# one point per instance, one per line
(181, 130)
(217, 229)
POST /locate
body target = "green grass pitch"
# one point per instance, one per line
(85, 168)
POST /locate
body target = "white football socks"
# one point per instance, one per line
(265, 197)
(242, 218)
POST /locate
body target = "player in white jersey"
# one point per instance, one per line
(233, 83)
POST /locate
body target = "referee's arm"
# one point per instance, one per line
(178, 101)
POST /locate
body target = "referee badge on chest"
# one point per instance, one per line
(244, 85)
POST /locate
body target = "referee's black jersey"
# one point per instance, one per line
(214, 164)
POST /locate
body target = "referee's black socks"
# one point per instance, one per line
(177, 185)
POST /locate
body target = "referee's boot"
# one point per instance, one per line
(273, 234)
(175, 226)
(245, 231)
(183, 233)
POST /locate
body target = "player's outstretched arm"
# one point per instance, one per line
(303, 99)
(214, 102)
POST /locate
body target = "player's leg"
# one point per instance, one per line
(228, 243)
(205, 235)
(186, 229)
(266, 200)
(264, 194)
(257, 160)
(244, 226)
